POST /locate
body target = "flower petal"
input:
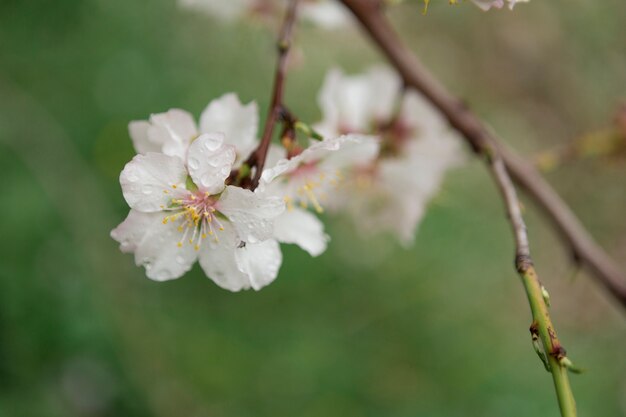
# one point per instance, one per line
(355, 103)
(174, 129)
(421, 116)
(251, 213)
(326, 14)
(302, 228)
(143, 143)
(218, 261)
(150, 181)
(155, 245)
(488, 4)
(237, 122)
(260, 262)
(210, 161)
(353, 149)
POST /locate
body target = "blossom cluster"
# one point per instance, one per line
(382, 158)
(327, 14)
(498, 4)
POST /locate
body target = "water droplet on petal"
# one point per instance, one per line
(213, 144)
(131, 174)
(180, 259)
(193, 163)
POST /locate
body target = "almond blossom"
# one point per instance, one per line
(310, 180)
(416, 149)
(498, 4)
(182, 211)
(172, 133)
(327, 14)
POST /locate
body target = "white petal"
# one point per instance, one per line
(334, 153)
(326, 14)
(227, 10)
(155, 245)
(422, 116)
(218, 261)
(260, 262)
(356, 103)
(149, 182)
(488, 4)
(210, 161)
(512, 3)
(384, 89)
(251, 214)
(329, 104)
(138, 131)
(133, 229)
(352, 150)
(237, 122)
(175, 130)
(302, 228)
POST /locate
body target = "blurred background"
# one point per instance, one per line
(367, 329)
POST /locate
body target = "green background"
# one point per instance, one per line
(368, 328)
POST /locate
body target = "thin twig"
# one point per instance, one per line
(257, 158)
(584, 249)
(369, 13)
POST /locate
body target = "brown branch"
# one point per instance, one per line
(585, 250)
(257, 158)
(369, 13)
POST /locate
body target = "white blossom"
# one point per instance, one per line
(182, 211)
(498, 4)
(416, 149)
(311, 179)
(326, 14)
(173, 132)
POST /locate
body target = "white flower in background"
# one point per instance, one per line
(181, 211)
(327, 14)
(311, 179)
(498, 4)
(357, 103)
(228, 10)
(416, 149)
(172, 133)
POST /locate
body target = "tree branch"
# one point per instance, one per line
(585, 249)
(369, 13)
(257, 158)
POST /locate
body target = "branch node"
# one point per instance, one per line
(523, 263)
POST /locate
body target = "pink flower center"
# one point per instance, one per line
(308, 186)
(196, 213)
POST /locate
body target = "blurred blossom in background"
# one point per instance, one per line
(366, 329)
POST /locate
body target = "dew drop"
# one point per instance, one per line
(180, 259)
(212, 144)
(131, 174)
(147, 190)
(193, 163)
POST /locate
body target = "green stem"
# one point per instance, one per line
(551, 345)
